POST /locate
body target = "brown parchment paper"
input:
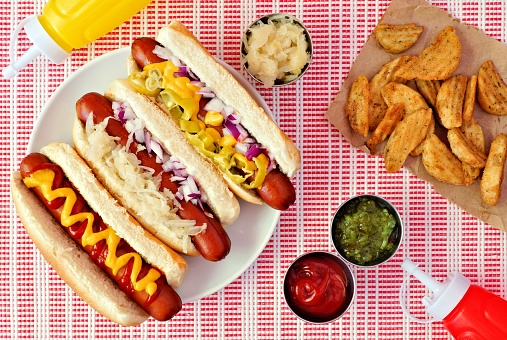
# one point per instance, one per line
(477, 47)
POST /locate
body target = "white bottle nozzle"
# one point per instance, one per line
(446, 295)
(43, 43)
(432, 284)
(12, 70)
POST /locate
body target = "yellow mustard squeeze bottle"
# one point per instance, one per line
(69, 24)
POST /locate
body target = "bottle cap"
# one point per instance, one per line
(42, 44)
(446, 294)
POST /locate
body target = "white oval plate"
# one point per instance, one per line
(249, 234)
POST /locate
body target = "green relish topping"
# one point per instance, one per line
(364, 231)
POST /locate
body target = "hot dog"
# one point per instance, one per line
(154, 171)
(66, 212)
(256, 158)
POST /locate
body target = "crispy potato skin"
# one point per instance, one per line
(464, 149)
(392, 117)
(437, 61)
(406, 136)
(441, 163)
(491, 90)
(397, 38)
(449, 104)
(492, 177)
(356, 108)
(377, 106)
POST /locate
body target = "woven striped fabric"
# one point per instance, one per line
(36, 304)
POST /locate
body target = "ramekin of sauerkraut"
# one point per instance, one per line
(276, 49)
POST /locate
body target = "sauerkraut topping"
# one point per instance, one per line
(138, 182)
(276, 50)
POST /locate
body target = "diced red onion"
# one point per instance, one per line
(241, 148)
(254, 151)
(242, 133)
(214, 104)
(139, 136)
(162, 52)
(227, 111)
(233, 129)
(147, 141)
(192, 74)
(157, 149)
(197, 83)
(250, 140)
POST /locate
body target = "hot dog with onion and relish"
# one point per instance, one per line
(128, 274)
(174, 193)
(217, 115)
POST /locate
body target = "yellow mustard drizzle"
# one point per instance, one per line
(44, 179)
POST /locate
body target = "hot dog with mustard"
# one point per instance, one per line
(128, 274)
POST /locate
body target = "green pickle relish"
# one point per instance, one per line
(364, 231)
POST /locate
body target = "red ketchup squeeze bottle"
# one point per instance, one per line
(467, 311)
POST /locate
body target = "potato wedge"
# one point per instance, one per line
(450, 97)
(356, 108)
(394, 93)
(491, 90)
(470, 95)
(473, 132)
(397, 38)
(437, 61)
(419, 148)
(377, 107)
(464, 149)
(441, 163)
(385, 128)
(429, 90)
(470, 173)
(492, 177)
(406, 136)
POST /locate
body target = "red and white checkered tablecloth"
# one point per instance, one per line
(36, 304)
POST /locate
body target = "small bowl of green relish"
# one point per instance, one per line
(366, 230)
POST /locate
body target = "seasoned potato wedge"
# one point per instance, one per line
(491, 90)
(441, 163)
(394, 93)
(492, 177)
(470, 95)
(450, 99)
(419, 148)
(464, 149)
(378, 107)
(357, 105)
(429, 90)
(473, 132)
(397, 38)
(437, 61)
(406, 136)
(393, 115)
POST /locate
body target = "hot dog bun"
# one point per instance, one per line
(70, 262)
(100, 200)
(220, 199)
(185, 46)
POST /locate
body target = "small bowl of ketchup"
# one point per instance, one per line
(319, 287)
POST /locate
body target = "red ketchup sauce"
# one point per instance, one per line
(316, 286)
